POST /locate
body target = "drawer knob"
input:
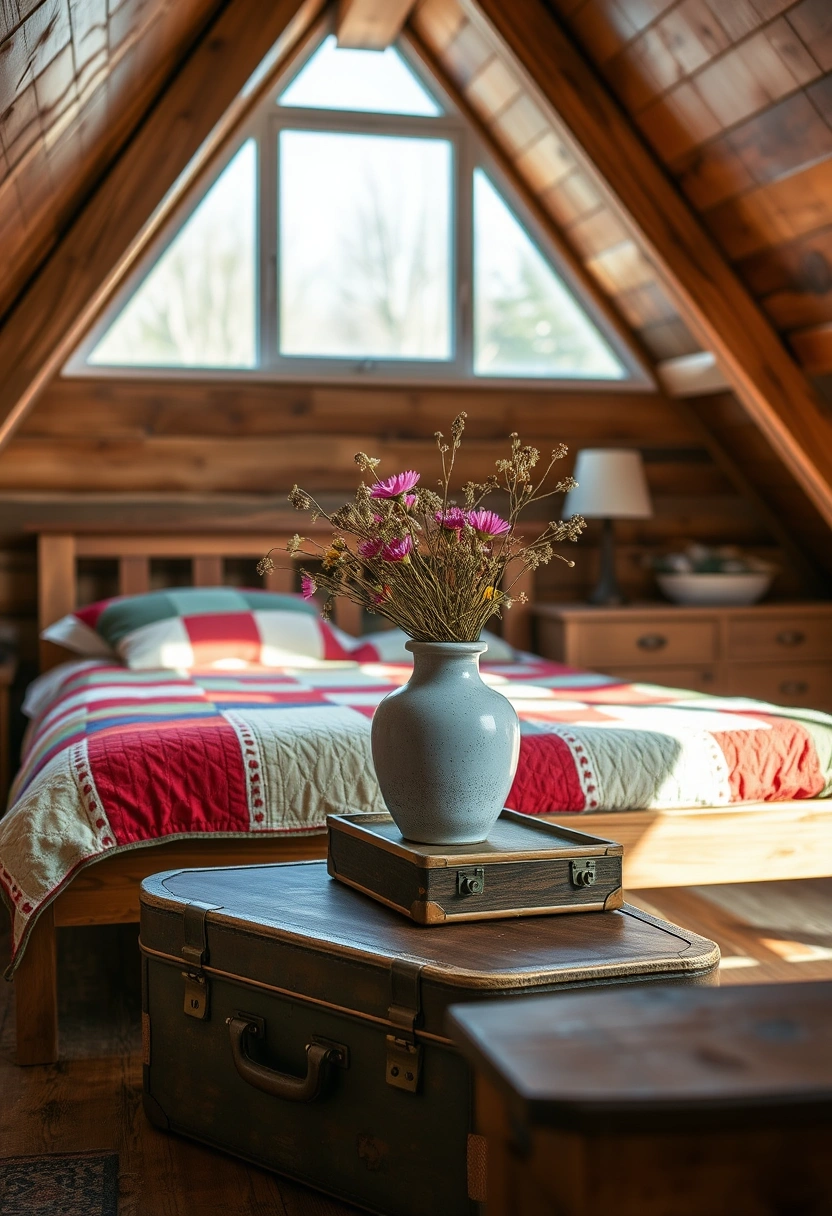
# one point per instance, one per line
(794, 687)
(790, 637)
(651, 641)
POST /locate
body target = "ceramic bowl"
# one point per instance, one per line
(715, 589)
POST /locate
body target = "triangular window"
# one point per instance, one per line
(358, 232)
(196, 308)
(377, 82)
(526, 323)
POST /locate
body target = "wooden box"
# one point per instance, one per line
(526, 867)
(293, 1022)
(655, 1101)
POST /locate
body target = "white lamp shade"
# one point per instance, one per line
(611, 485)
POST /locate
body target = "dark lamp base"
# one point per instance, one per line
(607, 593)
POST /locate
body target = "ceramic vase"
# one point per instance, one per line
(445, 747)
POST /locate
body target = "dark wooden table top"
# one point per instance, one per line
(655, 1051)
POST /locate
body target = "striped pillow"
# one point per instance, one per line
(201, 627)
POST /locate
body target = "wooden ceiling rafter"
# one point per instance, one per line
(191, 122)
(711, 299)
(370, 25)
(720, 455)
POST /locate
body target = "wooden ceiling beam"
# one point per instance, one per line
(715, 305)
(370, 25)
(188, 125)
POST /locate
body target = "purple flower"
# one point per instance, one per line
(454, 518)
(488, 523)
(397, 550)
(410, 500)
(308, 586)
(399, 483)
(371, 548)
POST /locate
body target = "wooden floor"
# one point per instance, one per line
(768, 932)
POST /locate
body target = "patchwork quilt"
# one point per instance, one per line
(116, 759)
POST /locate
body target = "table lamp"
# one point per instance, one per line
(611, 485)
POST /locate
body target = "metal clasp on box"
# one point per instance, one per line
(582, 873)
(470, 881)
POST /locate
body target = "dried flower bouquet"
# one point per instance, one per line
(435, 568)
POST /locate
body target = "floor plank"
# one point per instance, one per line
(768, 932)
(91, 1100)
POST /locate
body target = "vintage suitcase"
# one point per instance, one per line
(292, 1021)
(526, 867)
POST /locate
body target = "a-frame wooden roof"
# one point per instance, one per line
(702, 228)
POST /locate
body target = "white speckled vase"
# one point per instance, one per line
(445, 747)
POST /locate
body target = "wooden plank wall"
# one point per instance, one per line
(76, 77)
(736, 99)
(147, 451)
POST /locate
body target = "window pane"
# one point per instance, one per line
(365, 266)
(373, 81)
(196, 308)
(526, 323)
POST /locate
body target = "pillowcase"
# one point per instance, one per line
(186, 627)
(387, 646)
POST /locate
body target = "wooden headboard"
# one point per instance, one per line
(59, 553)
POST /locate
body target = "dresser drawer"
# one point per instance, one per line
(697, 679)
(807, 684)
(646, 643)
(783, 637)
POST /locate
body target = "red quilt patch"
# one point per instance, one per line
(158, 782)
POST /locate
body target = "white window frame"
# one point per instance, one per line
(468, 153)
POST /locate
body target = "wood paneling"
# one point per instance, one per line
(75, 80)
(371, 24)
(736, 100)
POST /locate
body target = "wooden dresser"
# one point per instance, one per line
(775, 652)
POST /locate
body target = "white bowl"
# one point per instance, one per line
(716, 589)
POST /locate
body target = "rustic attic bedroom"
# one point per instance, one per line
(416, 607)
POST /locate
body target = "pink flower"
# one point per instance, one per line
(488, 523)
(410, 500)
(308, 586)
(371, 548)
(454, 518)
(397, 550)
(381, 595)
(399, 483)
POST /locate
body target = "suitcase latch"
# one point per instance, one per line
(196, 995)
(470, 881)
(404, 1063)
(582, 872)
(404, 1054)
(194, 953)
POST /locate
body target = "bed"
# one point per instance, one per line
(705, 819)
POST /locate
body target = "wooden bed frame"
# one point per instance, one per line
(662, 848)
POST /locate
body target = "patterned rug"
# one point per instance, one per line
(59, 1184)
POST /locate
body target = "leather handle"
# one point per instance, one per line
(651, 641)
(279, 1084)
(790, 637)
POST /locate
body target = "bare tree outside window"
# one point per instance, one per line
(196, 308)
(526, 322)
(365, 259)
